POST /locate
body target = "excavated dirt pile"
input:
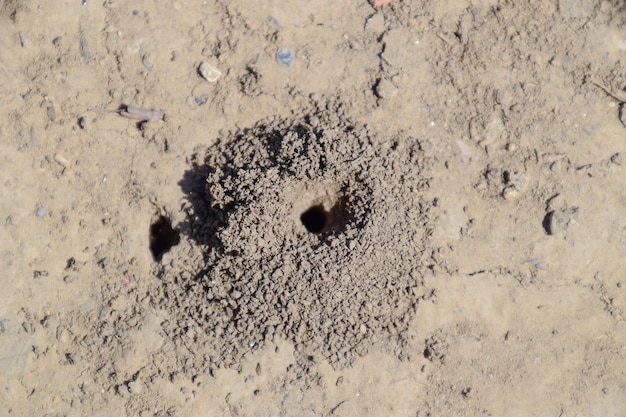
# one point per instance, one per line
(314, 230)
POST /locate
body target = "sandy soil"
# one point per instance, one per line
(418, 210)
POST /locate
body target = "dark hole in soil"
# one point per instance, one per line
(162, 237)
(314, 219)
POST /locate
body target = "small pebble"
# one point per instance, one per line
(510, 193)
(285, 56)
(62, 335)
(69, 278)
(209, 72)
(201, 101)
(145, 60)
(558, 221)
(40, 212)
(201, 93)
(52, 112)
(386, 89)
(83, 48)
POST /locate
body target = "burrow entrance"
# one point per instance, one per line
(162, 237)
(327, 208)
(315, 219)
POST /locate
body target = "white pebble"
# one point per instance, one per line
(209, 72)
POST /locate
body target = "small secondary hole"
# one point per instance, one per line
(162, 237)
(314, 219)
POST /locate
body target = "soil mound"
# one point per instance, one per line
(308, 232)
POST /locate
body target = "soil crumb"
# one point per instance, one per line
(313, 229)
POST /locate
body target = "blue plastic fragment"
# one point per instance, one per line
(285, 56)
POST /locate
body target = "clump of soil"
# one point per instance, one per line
(314, 230)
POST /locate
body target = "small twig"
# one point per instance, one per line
(101, 111)
(621, 100)
(132, 112)
(143, 115)
(332, 411)
(609, 92)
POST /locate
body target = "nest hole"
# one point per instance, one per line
(162, 237)
(315, 219)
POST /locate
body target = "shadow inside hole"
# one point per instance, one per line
(162, 237)
(315, 219)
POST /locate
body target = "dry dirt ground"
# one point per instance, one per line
(415, 210)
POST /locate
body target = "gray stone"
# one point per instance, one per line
(395, 48)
